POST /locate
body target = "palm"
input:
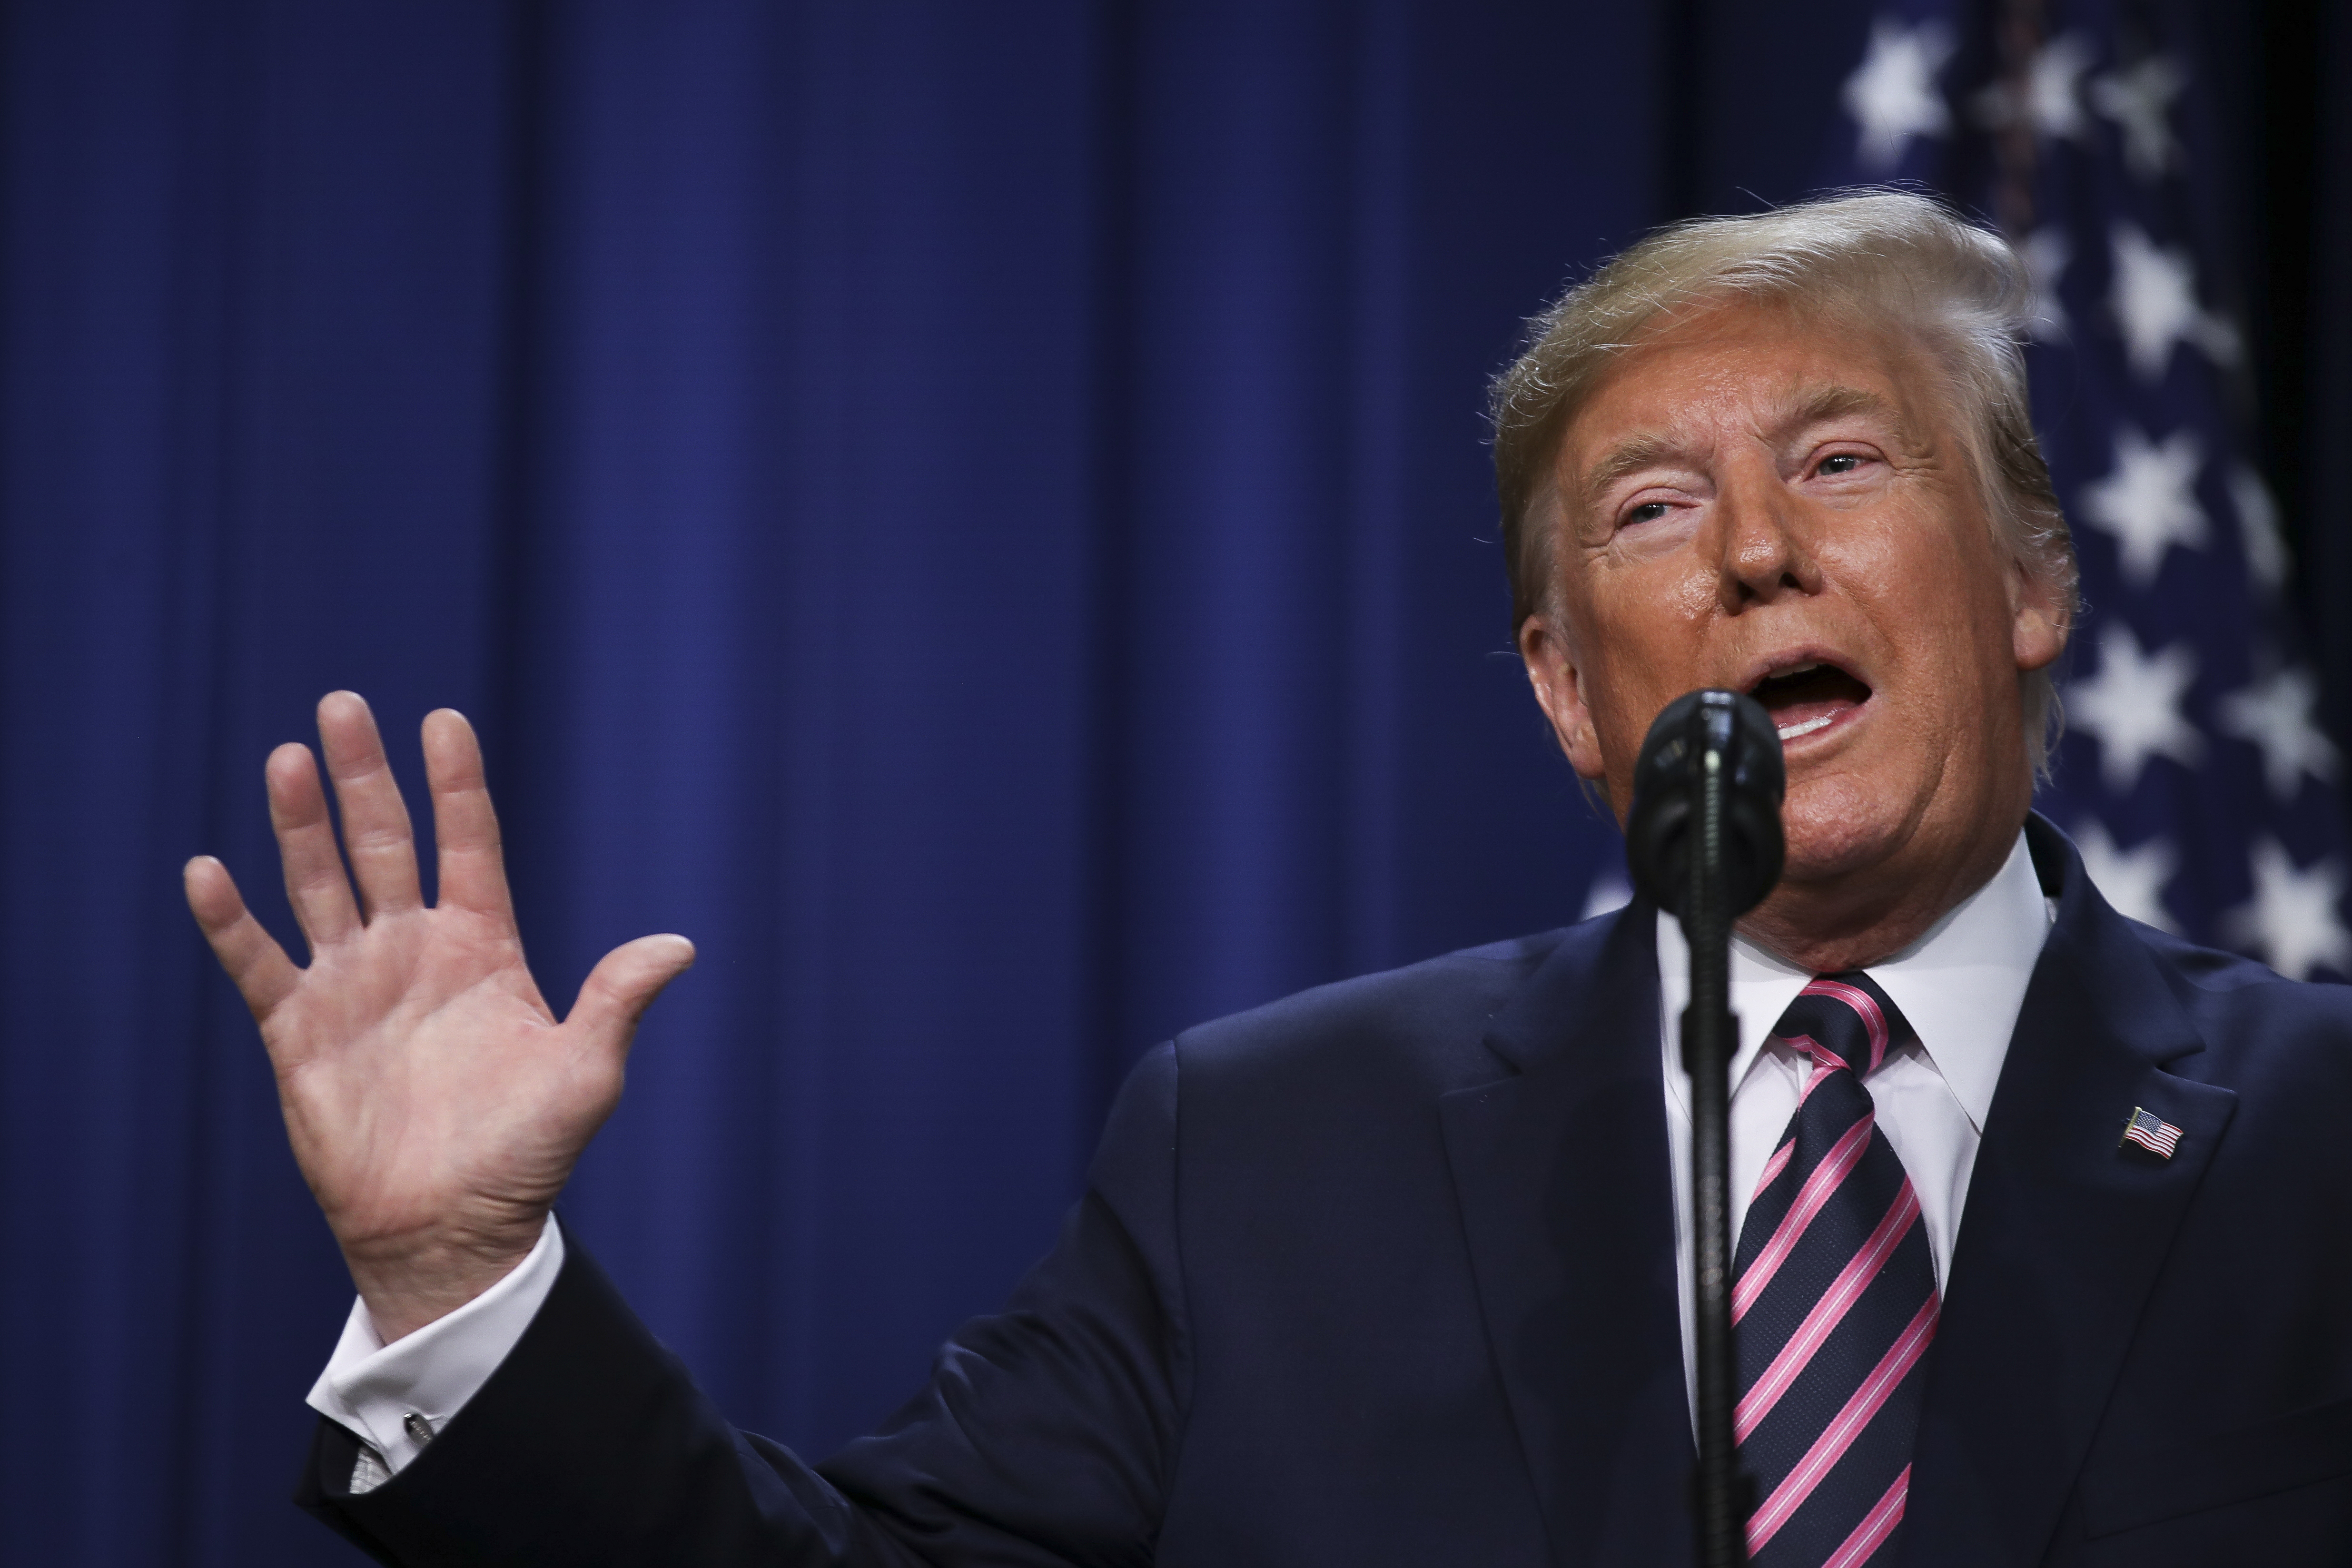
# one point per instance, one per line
(381, 1042)
(434, 1102)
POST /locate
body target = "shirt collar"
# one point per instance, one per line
(1961, 985)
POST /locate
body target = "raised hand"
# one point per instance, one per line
(434, 1102)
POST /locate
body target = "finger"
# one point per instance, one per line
(624, 984)
(376, 834)
(264, 975)
(465, 829)
(315, 884)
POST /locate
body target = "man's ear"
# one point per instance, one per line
(2038, 623)
(1553, 671)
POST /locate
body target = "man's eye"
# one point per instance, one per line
(1647, 512)
(1844, 463)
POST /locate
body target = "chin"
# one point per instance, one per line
(1834, 830)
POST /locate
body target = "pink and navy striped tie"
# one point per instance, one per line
(1833, 1294)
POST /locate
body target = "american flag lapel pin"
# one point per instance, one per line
(2151, 1132)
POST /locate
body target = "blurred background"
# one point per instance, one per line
(979, 515)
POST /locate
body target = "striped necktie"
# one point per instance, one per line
(1834, 1296)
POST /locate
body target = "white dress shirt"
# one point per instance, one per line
(1960, 988)
(1961, 985)
(395, 1397)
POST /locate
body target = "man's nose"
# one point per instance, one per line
(1758, 547)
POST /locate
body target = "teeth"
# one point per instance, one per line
(1796, 670)
(1789, 732)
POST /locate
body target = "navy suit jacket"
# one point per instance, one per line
(1383, 1274)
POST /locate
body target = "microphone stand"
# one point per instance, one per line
(1703, 837)
(1709, 1035)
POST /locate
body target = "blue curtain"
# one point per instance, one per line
(975, 514)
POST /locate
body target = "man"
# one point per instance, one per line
(2042, 1254)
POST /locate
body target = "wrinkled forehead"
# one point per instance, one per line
(1762, 367)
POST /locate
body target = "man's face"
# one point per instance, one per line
(1784, 507)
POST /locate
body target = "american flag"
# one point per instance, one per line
(2194, 775)
(2150, 1131)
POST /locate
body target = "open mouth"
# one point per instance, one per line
(1809, 696)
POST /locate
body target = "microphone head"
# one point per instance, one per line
(1667, 793)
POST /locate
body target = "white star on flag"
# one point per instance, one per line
(2046, 252)
(2154, 300)
(2131, 880)
(2149, 501)
(2275, 714)
(2052, 105)
(2132, 706)
(2138, 99)
(2258, 529)
(1892, 94)
(2291, 916)
(2206, 779)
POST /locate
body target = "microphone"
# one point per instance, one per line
(1703, 841)
(1669, 789)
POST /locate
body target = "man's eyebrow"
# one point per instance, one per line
(1628, 456)
(1639, 452)
(1832, 403)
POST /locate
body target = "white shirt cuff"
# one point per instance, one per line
(393, 1398)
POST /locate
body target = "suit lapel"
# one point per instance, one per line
(1561, 1171)
(2062, 1235)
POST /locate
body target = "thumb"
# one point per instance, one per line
(624, 983)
